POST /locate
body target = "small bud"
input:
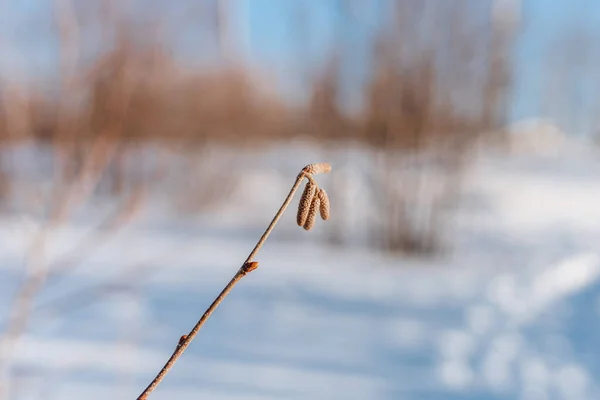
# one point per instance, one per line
(320, 168)
(249, 267)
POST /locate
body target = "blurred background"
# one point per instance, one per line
(146, 145)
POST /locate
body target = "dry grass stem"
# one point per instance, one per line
(248, 266)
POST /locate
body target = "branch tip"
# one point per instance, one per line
(319, 168)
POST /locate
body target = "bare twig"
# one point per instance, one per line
(247, 267)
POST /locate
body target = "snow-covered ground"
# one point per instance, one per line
(513, 313)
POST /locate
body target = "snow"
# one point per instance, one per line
(538, 136)
(510, 314)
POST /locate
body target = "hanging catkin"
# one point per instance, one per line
(312, 213)
(324, 204)
(308, 194)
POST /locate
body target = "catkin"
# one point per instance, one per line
(320, 168)
(324, 204)
(308, 194)
(312, 213)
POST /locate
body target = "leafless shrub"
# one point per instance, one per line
(423, 109)
(430, 98)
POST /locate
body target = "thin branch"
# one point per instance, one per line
(246, 268)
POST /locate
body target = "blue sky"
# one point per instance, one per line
(289, 40)
(539, 49)
(547, 21)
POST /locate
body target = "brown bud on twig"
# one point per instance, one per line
(312, 213)
(310, 190)
(249, 267)
(320, 168)
(324, 204)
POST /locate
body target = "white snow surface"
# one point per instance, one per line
(512, 313)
